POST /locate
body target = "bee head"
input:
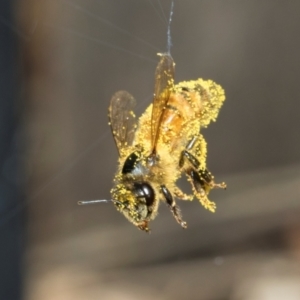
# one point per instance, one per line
(135, 201)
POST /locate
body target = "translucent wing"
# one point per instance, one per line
(164, 83)
(122, 119)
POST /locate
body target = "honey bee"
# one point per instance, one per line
(165, 143)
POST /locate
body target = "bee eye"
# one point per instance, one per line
(144, 190)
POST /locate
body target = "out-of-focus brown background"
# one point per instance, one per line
(74, 56)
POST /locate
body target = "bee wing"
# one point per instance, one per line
(164, 83)
(122, 119)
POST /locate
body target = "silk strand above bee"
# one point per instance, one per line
(162, 145)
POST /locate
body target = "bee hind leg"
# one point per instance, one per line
(172, 204)
(197, 145)
(197, 161)
(194, 156)
(209, 180)
(200, 189)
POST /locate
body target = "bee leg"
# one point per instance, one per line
(194, 156)
(209, 180)
(144, 226)
(200, 188)
(197, 145)
(181, 195)
(185, 155)
(172, 204)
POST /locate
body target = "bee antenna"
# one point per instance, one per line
(93, 201)
(96, 201)
(169, 39)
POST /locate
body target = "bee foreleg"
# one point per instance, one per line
(172, 204)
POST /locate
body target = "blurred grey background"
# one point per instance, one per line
(12, 229)
(74, 56)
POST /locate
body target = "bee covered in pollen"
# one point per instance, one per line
(165, 143)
